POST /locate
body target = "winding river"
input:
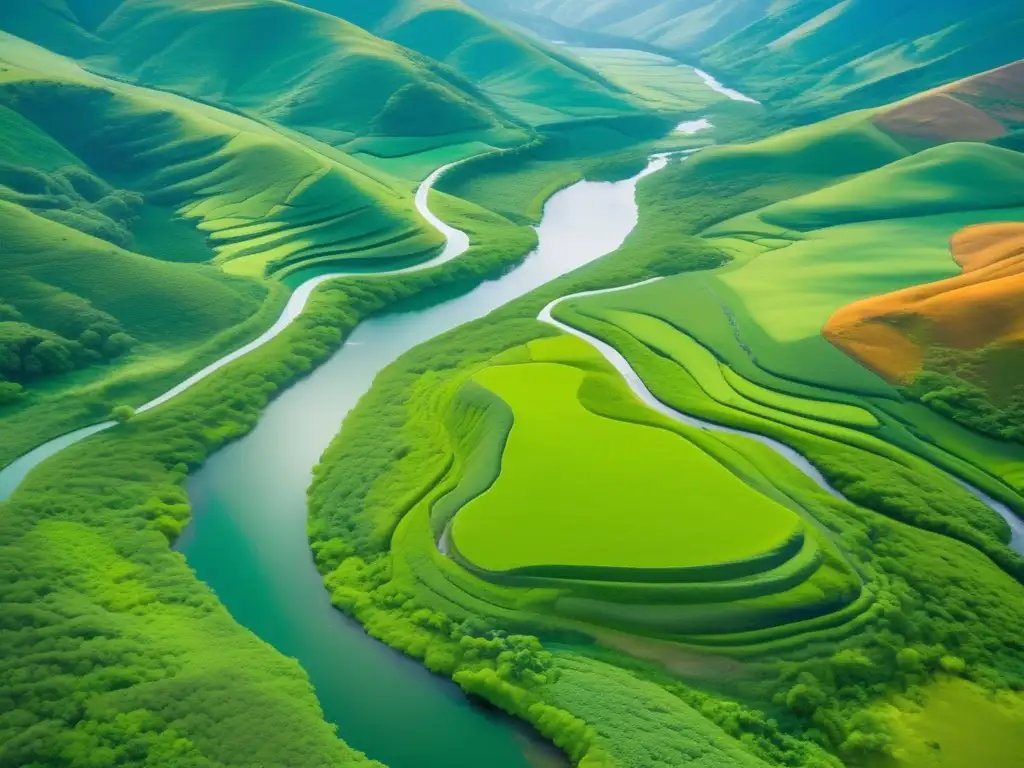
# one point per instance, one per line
(248, 535)
(456, 244)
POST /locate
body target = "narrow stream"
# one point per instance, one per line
(248, 536)
(636, 384)
(714, 85)
(456, 244)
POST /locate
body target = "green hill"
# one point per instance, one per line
(276, 60)
(808, 54)
(526, 77)
(330, 68)
(269, 201)
(137, 180)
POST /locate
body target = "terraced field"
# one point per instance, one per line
(747, 489)
(645, 524)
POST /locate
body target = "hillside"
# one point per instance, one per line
(806, 54)
(138, 179)
(985, 107)
(418, 76)
(529, 79)
(309, 71)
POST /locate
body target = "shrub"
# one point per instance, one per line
(122, 413)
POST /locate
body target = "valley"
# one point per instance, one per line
(522, 383)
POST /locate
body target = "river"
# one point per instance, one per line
(248, 535)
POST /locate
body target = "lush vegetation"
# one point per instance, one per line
(815, 57)
(119, 656)
(500, 506)
(938, 582)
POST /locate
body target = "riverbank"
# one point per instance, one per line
(249, 504)
(157, 638)
(371, 530)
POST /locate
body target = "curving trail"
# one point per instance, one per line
(457, 243)
(619, 362)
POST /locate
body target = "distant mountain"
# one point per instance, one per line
(324, 67)
(277, 60)
(666, 24)
(818, 56)
(531, 80)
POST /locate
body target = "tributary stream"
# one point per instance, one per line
(248, 535)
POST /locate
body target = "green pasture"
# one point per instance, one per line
(951, 178)
(725, 385)
(638, 498)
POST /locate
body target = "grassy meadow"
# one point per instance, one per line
(623, 508)
(817, 644)
(500, 506)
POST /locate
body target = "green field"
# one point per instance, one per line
(499, 506)
(958, 725)
(625, 504)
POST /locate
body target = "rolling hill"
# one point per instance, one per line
(981, 307)
(309, 71)
(97, 210)
(445, 74)
(816, 57)
(528, 78)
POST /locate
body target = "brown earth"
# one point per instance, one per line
(979, 108)
(983, 307)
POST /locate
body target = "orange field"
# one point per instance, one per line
(982, 307)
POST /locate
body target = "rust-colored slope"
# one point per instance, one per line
(979, 108)
(982, 307)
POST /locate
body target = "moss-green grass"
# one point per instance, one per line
(577, 489)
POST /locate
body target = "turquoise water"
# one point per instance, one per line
(248, 539)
